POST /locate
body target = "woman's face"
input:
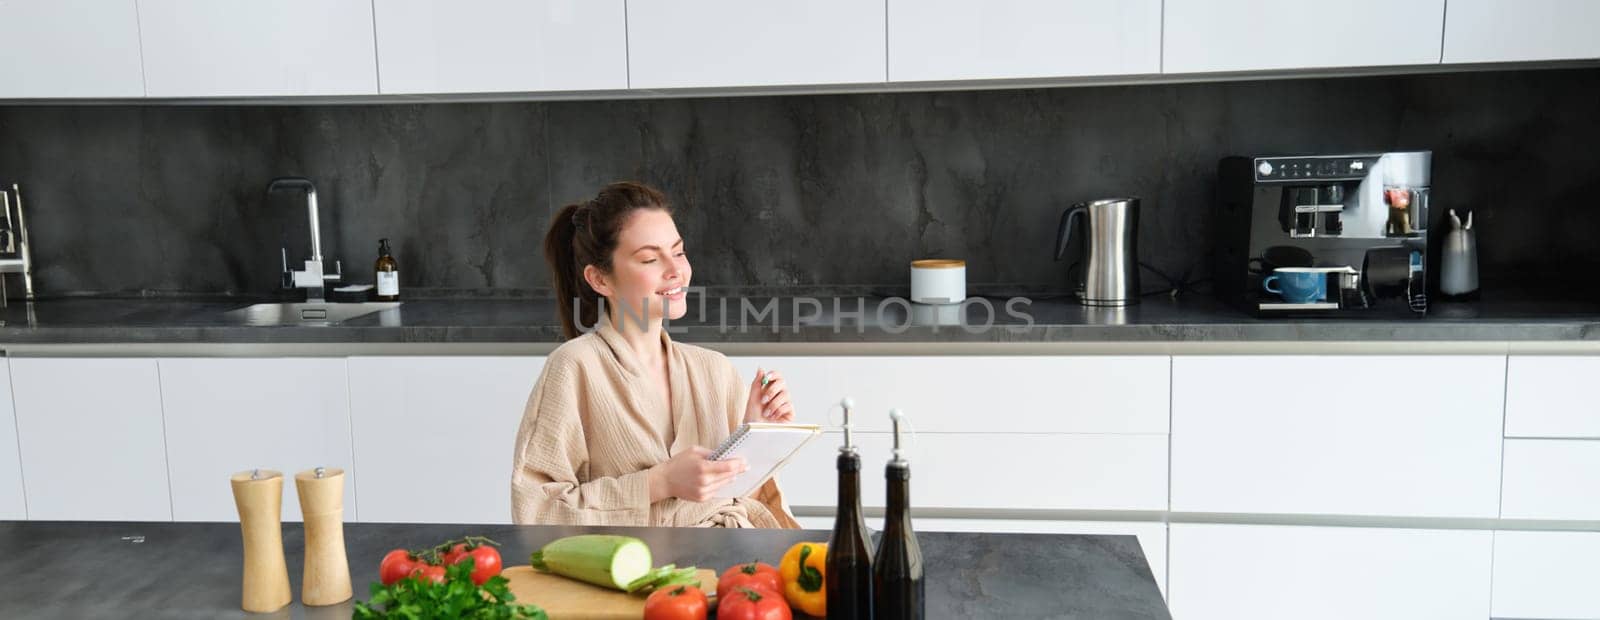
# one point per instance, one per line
(648, 264)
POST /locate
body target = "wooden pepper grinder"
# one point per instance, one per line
(258, 494)
(327, 572)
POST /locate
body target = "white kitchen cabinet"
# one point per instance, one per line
(1250, 35)
(491, 46)
(1367, 435)
(805, 378)
(1551, 479)
(69, 48)
(90, 436)
(230, 415)
(13, 505)
(434, 435)
(1520, 30)
(1038, 394)
(963, 40)
(1548, 575)
(1552, 396)
(996, 471)
(239, 48)
(1243, 572)
(710, 43)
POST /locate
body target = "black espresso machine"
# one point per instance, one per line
(1335, 234)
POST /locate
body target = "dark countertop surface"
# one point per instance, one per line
(193, 570)
(466, 320)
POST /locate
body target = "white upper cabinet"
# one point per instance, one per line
(89, 431)
(243, 48)
(484, 46)
(1250, 35)
(1507, 30)
(12, 505)
(997, 39)
(286, 414)
(69, 48)
(1348, 435)
(709, 43)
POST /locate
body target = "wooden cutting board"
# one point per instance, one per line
(570, 599)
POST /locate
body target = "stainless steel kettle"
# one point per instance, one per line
(1110, 260)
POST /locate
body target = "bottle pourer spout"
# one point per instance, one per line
(898, 418)
(846, 404)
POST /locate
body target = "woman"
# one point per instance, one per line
(619, 425)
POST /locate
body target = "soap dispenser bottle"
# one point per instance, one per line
(388, 273)
(849, 575)
(897, 570)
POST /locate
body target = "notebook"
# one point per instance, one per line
(766, 448)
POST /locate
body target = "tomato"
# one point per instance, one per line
(396, 565)
(755, 575)
(429, 572)
(752, 604)
(676, 603)
(486, 563)
(455, 554)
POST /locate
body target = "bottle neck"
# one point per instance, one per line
(898, 513)
(849, 484)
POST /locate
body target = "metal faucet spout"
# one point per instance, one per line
(302, 183)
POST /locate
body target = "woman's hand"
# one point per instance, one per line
(769, 399)
(689, 476)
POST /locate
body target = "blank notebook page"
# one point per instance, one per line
(765, 448)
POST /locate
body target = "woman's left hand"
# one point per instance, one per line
(769, 399)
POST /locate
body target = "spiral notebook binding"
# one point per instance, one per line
(731, 443)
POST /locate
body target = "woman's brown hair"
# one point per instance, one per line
(585, 233)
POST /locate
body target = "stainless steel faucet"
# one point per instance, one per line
(312, 277)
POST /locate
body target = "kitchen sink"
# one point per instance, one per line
(305, 313)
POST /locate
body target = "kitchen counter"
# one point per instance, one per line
(530, 326)
(192, 570)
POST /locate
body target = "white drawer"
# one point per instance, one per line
(1552, 396)
(989, 394)
(1551, 479)
(1349, 435)
(1547, 575)
(1272, 572)
(1005, 471)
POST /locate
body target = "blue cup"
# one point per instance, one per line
(1297, 285)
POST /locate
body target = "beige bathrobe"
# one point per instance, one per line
(594, 423)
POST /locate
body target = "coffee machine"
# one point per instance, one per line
(1319, 235)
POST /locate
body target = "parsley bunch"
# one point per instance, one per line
(457, 597)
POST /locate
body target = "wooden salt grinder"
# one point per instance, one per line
(327, 571)
(258, 494)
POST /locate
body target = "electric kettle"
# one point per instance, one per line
(1109, 259)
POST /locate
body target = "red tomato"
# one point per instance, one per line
(429, 572)
(755, 575)
(486, 564)
(676, 603)
(396, 565)
(456, 552)
(752, 604)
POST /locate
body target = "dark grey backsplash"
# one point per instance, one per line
(828, 190)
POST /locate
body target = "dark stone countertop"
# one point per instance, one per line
(193, 570)
(1053, 320)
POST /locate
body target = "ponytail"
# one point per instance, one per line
(584, 234)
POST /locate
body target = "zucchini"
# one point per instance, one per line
(603, 560)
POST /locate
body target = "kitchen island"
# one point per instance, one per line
(193, 570)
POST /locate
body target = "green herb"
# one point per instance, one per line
(419, 599)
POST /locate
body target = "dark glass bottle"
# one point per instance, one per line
(387, 273)
(849, 576)
(897, 569)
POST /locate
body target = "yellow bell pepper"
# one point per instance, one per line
(803, 569)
